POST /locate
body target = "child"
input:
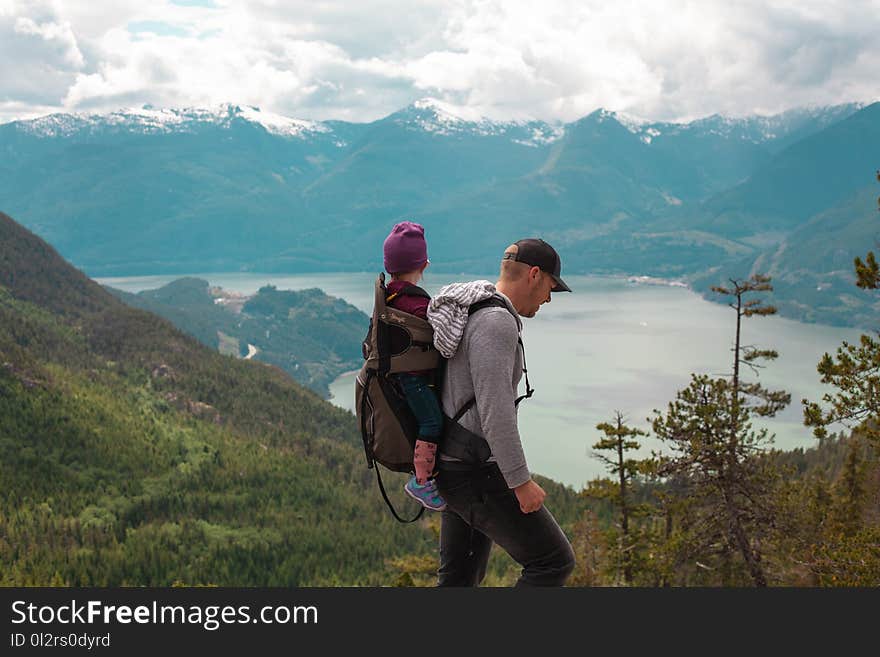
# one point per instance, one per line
(406, 257)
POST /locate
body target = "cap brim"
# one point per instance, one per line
(560, 285)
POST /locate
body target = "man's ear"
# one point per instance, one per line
(534, 273)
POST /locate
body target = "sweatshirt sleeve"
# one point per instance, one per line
(494, 339)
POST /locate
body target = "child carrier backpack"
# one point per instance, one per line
(396, 342)
(401, 342)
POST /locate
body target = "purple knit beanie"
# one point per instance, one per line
(405, 248)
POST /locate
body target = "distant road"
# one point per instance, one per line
(252, 351)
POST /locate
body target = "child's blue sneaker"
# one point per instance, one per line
(426, 494)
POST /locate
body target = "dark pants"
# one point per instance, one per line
(422, 401)
(480, 510)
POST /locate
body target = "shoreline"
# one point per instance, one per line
(161, 280)
(331, 396)
(654, 280)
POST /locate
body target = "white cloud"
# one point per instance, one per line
(557, 59)
(59, 34)
(39, 56)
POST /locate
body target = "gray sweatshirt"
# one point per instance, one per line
(488, 365)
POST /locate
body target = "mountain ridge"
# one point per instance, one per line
(232, 196)
(150, 119)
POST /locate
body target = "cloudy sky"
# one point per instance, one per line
(362, 59)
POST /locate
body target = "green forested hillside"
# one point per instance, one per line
(310, 335)
(812, 268)
(132, 454)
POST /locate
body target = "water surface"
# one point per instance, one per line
(611, 345)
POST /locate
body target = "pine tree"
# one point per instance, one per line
(868, 272)
(715, 452)
(617, 440)
(589, 549)
(855, 372)
(849, 491)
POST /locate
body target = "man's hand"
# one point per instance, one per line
(530, 495)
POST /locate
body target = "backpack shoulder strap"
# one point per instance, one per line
(495, 302)
(491, 302)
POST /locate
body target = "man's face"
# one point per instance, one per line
(540, 284)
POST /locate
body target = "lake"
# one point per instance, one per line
(611, 345)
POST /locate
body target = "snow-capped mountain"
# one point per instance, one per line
(433, 116)
(780, 128)
(427, 115)
(441, 118)
(149, 120)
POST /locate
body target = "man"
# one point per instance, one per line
(495, 500)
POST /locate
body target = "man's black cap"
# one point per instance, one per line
(538, 253)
